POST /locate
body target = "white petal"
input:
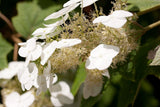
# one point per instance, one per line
(115, 22)
(70, 2)
(86, 3)
(13, 68)
(42, 84)
(60, 88)
(102, 64)
(31, 44)
(58, 22)
(101, 57)
(68, 42)
(12, 99)
(121, 13)
(101, 19)
(90, 64)
(56, 102)
(42, 33)
(62, 12)
(92, 86)
(65, 99)
(23, 52)
(27, 99)
(36, 53)
(48, 51)
(106, 50)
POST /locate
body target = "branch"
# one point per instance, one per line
(2, 16)
(151, 26)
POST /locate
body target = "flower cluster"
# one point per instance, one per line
(98, 45)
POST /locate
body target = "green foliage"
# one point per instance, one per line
(31, 16)
(156, 60)
(141, 5)
(5, 48)
(79, 79)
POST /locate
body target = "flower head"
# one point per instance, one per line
(14, 99)
(62, 12)
(28, 77)
(101, 57)
(116, 20)
(31, 50)
(60, 94)
(46, 79)
(13, 68)
(84, 3)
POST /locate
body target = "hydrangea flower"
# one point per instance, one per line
(31, 50)
(62, 12)
(46, 79)
(93, 84)
(60, 94)
(13, 68)
(84, 3)
(101, 57)
(68, 42)
(116, 20)
(14, 99)
(28, 76)
(47, 51)
(43, 33)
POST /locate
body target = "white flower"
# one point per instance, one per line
(13, 68)
(62, 12)
(92, 86)
(28, 77)
(49, 31)
(60, 94)
(101, 57)
(30, 50)
(14, 99)
(46, 79)
(116, 20)
(84, 3)
(42, 33)
(48, 50)
(68, 42)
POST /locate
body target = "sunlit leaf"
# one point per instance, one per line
(5, 48)
(80, 78)
(31, 16)
(141, 5)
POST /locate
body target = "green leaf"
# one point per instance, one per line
(156, 60)
(31, 16)
(80, 78)
(5, 48)
(142, 5)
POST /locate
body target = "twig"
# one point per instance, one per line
(2, 16)
(151, 26)
(15, 52)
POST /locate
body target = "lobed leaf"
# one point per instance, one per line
(5, 48)
(31, 16)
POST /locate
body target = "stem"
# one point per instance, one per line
(2, 16)
(96, 9)
(148, 10)
(151, 26)
(15, 53)
(139, 85)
